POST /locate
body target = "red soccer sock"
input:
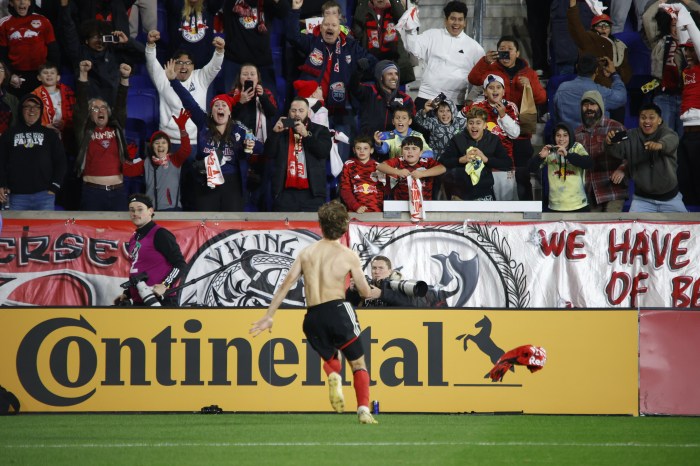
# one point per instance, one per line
(332, 365)
(361, 385)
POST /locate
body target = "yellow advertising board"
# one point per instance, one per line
(117, 359)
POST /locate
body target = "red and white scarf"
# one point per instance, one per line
(415, 199)
(214, 176)
(161, 162)
(297, 178)
(45, 97)
(534, 357)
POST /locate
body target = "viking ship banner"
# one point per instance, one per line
(229, 264)
(471, 264)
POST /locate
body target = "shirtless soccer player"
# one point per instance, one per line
(330, 323)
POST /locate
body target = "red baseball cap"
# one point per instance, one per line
(600, 19)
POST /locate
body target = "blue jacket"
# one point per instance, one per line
(346, 54)
(567, 99)
(239, 159)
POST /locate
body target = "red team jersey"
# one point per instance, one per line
(400, 191)
(102, 157)
(26, 39)
(359, 186)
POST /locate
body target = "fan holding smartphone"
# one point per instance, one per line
(253, 105)
(247, 84)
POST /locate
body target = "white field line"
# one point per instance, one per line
(348, 444)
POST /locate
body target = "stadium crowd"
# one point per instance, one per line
(281, 105)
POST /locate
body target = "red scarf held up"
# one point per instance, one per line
(326, 78)
(670, 76)
(297, 177)
(534, 357)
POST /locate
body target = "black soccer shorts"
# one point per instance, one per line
(331, 326)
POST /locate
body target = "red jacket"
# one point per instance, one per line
(514, 90)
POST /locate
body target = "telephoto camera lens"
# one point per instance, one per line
(147, 295)
(411, 288)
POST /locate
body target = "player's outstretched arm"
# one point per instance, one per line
(359, 279)
(266, 322)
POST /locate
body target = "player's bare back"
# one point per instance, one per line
(325, 266)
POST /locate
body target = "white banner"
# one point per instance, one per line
(557, 264)
(475, 264)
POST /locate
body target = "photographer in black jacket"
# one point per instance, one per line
(382, 274)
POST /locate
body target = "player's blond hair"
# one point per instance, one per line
(333, 218)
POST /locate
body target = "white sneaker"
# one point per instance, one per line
(335, 392)
(364, 416)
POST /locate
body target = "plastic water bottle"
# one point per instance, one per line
(248, 137)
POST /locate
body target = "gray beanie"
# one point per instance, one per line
(382, 67)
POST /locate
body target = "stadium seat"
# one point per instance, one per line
(68, 78)
(135, 132)
(638, 53)
(142, 104)
(163, 25)
(635, 99)
(142, 81)
(630, 195)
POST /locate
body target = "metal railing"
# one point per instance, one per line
(478, 20)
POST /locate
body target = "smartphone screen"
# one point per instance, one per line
(109, 38)
(619, 137)
(247, 84)
(503, 55)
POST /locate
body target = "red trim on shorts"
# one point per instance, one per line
(347, 344)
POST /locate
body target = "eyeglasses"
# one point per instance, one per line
(602, 26)
(31, 107)
(180, 62)
(97, 109)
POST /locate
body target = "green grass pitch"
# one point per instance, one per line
(332, 439)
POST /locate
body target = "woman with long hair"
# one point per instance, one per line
(253, 105)
(223, 149)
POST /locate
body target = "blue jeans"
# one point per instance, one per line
(36, 201)
(96, 199)
(670, 105)
(643, 204)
